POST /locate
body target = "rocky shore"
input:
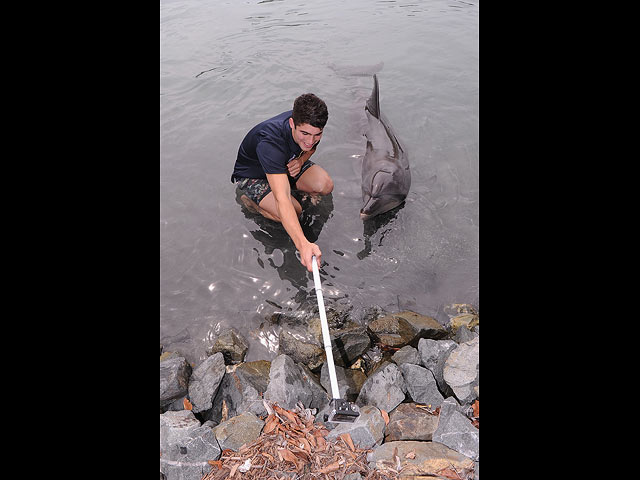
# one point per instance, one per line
(416, 383)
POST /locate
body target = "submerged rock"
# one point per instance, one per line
(232, 345)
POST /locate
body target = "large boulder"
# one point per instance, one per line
(185, 446)
(290, 383)
(385, 388)
(174, 379)
(205, 381)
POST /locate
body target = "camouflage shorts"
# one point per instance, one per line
(258, 188)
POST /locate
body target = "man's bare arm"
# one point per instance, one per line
(281, 189)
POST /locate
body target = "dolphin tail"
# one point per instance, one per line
(373, 104)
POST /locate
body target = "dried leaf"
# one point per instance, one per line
(476, 408)
(270, 457)
(347, 439)
(385, 416)
(287, 455)
(187, 404)
(411, 455)
(305, 444)
(216, 463)
(330, 468)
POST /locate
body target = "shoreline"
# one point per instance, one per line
(416, 383)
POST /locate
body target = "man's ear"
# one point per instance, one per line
(291, 124)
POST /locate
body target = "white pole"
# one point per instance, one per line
(325, 330)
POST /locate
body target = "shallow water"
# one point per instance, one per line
(225, 66)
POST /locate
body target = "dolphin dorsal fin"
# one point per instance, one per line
(373, 104)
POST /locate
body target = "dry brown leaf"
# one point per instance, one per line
(476, 408)
(265, 454)
(385, 416)
(330, 468)
(306, 444)
(411, 455)
(287, 455)
(347, 439)
(187, 404)
(216, 463)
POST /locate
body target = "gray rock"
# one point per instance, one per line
(174, 379)
(205, 381)
(460, 371)
(242, 390)
(185, 446)
(406, 354)
(232, 345)
(421, 385)
(290, 383)
(433, 354)
(367, 430)
(456, 431)
(385, 388)
(239, 430)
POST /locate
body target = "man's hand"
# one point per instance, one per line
(295, 165)
(306, 255)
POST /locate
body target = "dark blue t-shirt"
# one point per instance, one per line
(267, 148)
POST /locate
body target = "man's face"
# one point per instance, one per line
(305, 135)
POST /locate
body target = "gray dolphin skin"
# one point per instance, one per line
(386, 177)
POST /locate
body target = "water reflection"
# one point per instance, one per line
(371, 227)
(274, 238)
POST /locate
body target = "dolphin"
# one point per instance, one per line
(386, 177)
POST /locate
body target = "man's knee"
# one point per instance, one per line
(322, 186)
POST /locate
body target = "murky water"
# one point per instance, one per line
(227, 65)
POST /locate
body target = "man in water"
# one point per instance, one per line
(273, 160)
